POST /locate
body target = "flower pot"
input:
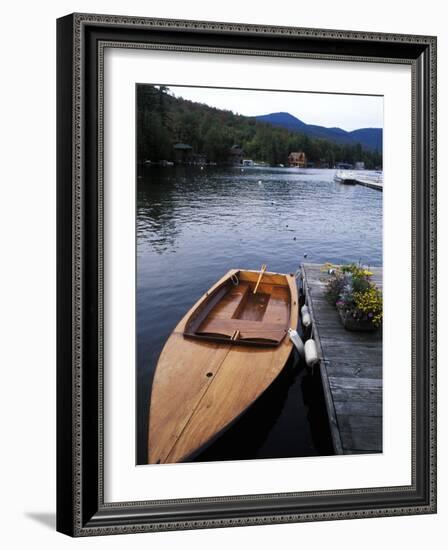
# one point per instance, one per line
(350, 323)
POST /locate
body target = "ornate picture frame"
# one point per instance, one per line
(81, 507)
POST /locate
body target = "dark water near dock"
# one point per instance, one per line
(194, 225)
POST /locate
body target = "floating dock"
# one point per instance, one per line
(349, 177)
(350, 368)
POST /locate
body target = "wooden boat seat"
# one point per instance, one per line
(241, 316)
(247, 329)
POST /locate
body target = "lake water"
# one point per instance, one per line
(194, 225)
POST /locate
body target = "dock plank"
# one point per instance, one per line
(365, 407)
(356, 369)
(351, 369)
(361, 433)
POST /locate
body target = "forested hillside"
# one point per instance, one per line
(164, 120)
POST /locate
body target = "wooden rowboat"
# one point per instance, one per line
(219, 359)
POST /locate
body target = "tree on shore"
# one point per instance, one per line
(163, 120)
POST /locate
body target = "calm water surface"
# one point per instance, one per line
(193, 225)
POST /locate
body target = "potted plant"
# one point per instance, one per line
(358, 300)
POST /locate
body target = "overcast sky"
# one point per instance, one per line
(348, 112)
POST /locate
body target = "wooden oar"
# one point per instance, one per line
(263, 269)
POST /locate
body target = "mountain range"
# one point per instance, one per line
(370, 138)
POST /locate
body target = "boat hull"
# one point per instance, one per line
(202, 385)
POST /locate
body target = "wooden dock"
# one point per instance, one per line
(354, 177)
(351, 369)
(369, 182)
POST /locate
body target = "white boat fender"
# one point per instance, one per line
(297, 341)
(306, 317)
(311, 357)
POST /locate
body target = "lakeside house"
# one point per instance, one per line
(236, 155)
(183, 153)
(297, 159)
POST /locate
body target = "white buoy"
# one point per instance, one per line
(311, 357)
(297, 341)
(306, 317)
(259, 182)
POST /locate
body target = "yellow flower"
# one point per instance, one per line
(370, 301)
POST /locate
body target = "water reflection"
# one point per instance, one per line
(195, 224)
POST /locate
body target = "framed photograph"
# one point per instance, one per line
(246, 274)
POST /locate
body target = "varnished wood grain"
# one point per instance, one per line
(184, 372)
(243, 376)
(200, 388)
